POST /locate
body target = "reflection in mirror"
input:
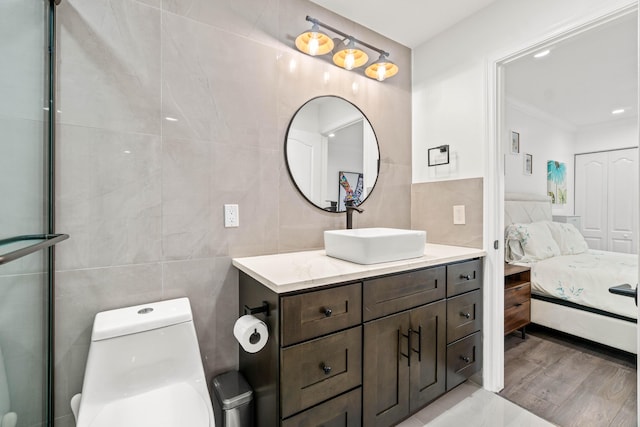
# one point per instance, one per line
(332, 153)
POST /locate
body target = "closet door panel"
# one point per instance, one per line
(591, 198)
(623, 200)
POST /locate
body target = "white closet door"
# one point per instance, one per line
(591, 198)
(623, 201)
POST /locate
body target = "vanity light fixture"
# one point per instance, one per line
(346, 52)
(381, 69)
(314, 42)
(347, 56)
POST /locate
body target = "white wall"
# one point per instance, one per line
(546, 139)
(449, 87)
(609, 136)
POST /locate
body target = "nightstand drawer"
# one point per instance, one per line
(317, 370)
(464, 277)
(464, 315)
(517, 316)
(517, 295)
(318, 313)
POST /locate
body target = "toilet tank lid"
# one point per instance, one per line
(140, 318)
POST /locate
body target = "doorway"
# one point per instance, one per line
(533, 112)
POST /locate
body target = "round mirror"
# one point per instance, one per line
(332, 153)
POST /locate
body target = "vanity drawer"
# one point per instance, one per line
(392, 294)
(464, 277)
(464, 358)
(464, 315)
(317, 370)
(517, 295)
(343, 411)
(313, 314)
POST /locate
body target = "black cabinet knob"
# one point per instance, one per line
(465, 358)
(326, 369)
(327, 312)
(465, 276)
(465, 315)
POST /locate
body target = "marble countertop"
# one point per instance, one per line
(296, 271)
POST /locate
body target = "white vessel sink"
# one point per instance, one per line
(374, 245)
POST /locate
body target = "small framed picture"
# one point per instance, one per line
(528, 164)
(515, 142)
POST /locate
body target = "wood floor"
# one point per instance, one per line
(570, 382)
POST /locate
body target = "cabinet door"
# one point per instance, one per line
(428, 358)
(385, 371)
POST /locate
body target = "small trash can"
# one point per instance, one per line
(232, 400)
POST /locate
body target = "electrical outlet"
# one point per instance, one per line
(231, 216)
(458, 215)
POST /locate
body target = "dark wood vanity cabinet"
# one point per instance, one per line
(404, 363)
(365, 353)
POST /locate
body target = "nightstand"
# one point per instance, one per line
(517, 298)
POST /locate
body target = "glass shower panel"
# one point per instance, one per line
(24, 151)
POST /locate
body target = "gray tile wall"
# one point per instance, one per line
(432, 210)
(142, 197)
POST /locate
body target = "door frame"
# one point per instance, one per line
(493, 300)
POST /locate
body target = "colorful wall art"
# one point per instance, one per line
(557, 182)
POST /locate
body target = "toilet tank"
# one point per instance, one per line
(137, 349)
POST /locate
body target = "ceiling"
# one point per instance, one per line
(584, 77)
(579, 83)
(408, 22)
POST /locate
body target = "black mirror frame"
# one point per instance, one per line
(286, 157)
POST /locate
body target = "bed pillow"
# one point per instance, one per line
(568, 238)
(513, 251)
(535, 240)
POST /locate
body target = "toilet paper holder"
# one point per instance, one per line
(264, 308)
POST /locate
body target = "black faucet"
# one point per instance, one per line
(350, 207)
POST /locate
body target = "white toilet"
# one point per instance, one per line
(7, 418)
(144, 370)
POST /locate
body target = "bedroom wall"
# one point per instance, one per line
(450, 75)
(608, 136)
(545, 138)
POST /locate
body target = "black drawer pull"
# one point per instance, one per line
(465, 359)
(518, 304)
(466, 276)
(326, 369)
(465, 315)
(327, 312)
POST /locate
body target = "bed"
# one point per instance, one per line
(569, 282)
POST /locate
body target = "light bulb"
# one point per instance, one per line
(382, 70)
(313, 44)
(349, 60)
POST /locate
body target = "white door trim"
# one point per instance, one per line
(493, 299)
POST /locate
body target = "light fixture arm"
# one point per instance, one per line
(346, 36)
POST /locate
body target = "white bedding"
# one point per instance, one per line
(585, 279)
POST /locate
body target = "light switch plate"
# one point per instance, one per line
(458, 215)
(231, 216)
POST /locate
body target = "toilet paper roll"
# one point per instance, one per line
(251, 333)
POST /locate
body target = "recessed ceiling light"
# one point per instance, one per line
(542, 54)
(171, 119)
(331, 135)
(618, 111)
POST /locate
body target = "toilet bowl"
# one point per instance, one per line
(144, 370)
(7, 418)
